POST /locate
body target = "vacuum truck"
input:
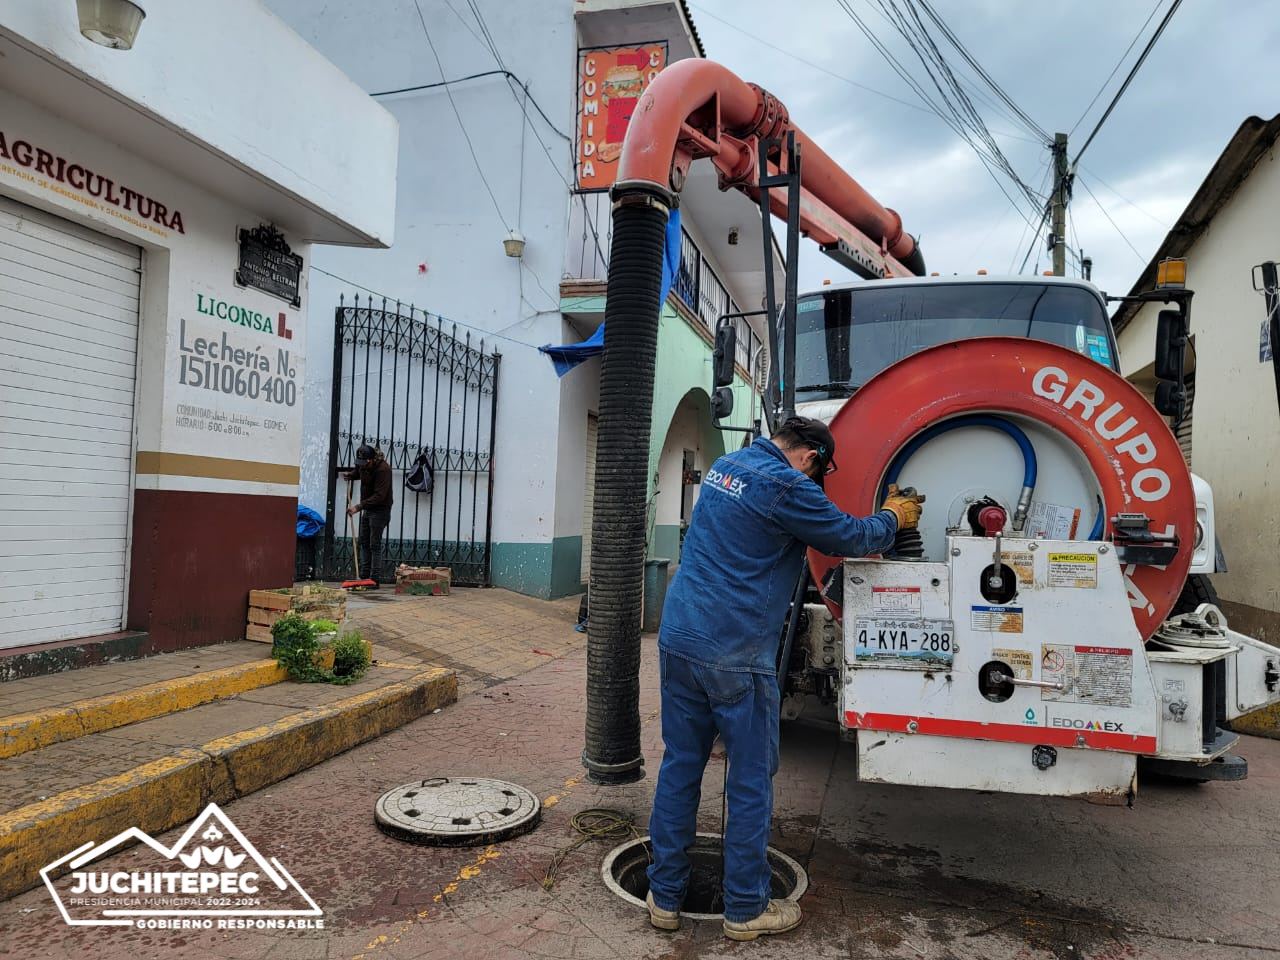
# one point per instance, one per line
(1048, 626)
(1040, 634)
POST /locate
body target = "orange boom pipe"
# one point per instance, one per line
(693, 109)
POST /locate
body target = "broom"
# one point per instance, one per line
(357, 583)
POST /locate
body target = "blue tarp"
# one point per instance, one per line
(309, 522)
(569, 355)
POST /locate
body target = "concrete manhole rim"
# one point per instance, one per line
(525, 817)
(606, 872)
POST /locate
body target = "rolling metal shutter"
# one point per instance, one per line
(589, 495)
(68, 352)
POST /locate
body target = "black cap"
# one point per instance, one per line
(814, 434)
(364, 454)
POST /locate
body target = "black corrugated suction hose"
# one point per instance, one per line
(612, 753)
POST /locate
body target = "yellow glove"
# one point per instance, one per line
(905, 505)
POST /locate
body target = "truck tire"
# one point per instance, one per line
(1197, 590)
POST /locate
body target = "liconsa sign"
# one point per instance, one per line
(610, 82)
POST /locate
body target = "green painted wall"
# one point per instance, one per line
(545, 570)
(665, 542)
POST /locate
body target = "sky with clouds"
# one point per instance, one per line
(1217, 63)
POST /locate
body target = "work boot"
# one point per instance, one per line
(662, 919)
(778, 917)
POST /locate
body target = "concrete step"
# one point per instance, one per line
(159, 772)
(38, 711)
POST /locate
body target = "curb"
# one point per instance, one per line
(23, 732)
(1264, 722)
(172, 790)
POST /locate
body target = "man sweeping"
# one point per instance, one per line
(760, 507)
(374, 508)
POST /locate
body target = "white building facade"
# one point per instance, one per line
(151, 377)
(1232, 438)
(494, 146)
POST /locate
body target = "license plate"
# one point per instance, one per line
(904, 641)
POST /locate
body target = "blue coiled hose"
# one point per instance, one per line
(1029, 465)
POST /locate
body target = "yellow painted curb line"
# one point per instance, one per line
(1259, 723)
(171, 790)
(23, 732)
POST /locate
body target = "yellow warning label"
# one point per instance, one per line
(1021, 661)
(1073, 570)
(1021, 562)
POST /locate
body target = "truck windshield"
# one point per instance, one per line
(845, 337)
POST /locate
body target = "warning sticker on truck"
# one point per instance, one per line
(1020, 661)
(1052, 521)
(1022, 564)
(895, 601)
(996, 619)
(1073, 570)
(1087, 674)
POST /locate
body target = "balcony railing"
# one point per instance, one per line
(696, 282)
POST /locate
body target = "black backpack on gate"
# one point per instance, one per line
(421, 478)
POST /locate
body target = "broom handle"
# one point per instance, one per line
(355, 550)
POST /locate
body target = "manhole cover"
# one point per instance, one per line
(457, 811)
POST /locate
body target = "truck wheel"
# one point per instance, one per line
(1197, 590)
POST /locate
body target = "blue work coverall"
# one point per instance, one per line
(718, 646)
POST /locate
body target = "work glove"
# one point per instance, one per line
(905, 505)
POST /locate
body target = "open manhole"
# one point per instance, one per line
(457, 811)
(624, 872)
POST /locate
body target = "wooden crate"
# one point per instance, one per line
(311, 602)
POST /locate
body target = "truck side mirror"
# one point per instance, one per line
(725, 353)
(1171, 343)
(1171, 399)
(721, 403)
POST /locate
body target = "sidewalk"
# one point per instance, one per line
(894, 872)
(148, 743)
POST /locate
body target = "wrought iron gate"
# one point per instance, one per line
(403, 384)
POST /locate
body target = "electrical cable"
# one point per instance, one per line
(476, 76)
(457, 114)
(1173, 8)
(1119, 62)
(378, 293)
(1140, 257)
(961, 116)
(1150, 216)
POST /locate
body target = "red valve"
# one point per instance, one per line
(992, 519)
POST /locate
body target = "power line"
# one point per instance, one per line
(1140, 257)
(457, 114)
(986, 77)
(476, 76)
(1173, 8)
(1150, 216)
(961, 116)
(1114, 69)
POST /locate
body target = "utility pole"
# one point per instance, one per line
(1059, 201)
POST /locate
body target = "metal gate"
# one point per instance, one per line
(406, 386)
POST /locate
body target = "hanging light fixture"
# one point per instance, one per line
(111, 23)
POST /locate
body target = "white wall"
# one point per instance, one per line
(447, 222)
(178, 266)
(1236, 427)
(226, 79)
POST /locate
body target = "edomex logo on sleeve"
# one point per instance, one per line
(212, 878)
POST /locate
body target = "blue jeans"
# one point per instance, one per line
(697, 703)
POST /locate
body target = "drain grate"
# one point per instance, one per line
(457, 811)
(624, 871)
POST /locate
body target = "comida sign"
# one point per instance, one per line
(213, 878)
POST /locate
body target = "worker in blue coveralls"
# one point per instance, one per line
(759, 508)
